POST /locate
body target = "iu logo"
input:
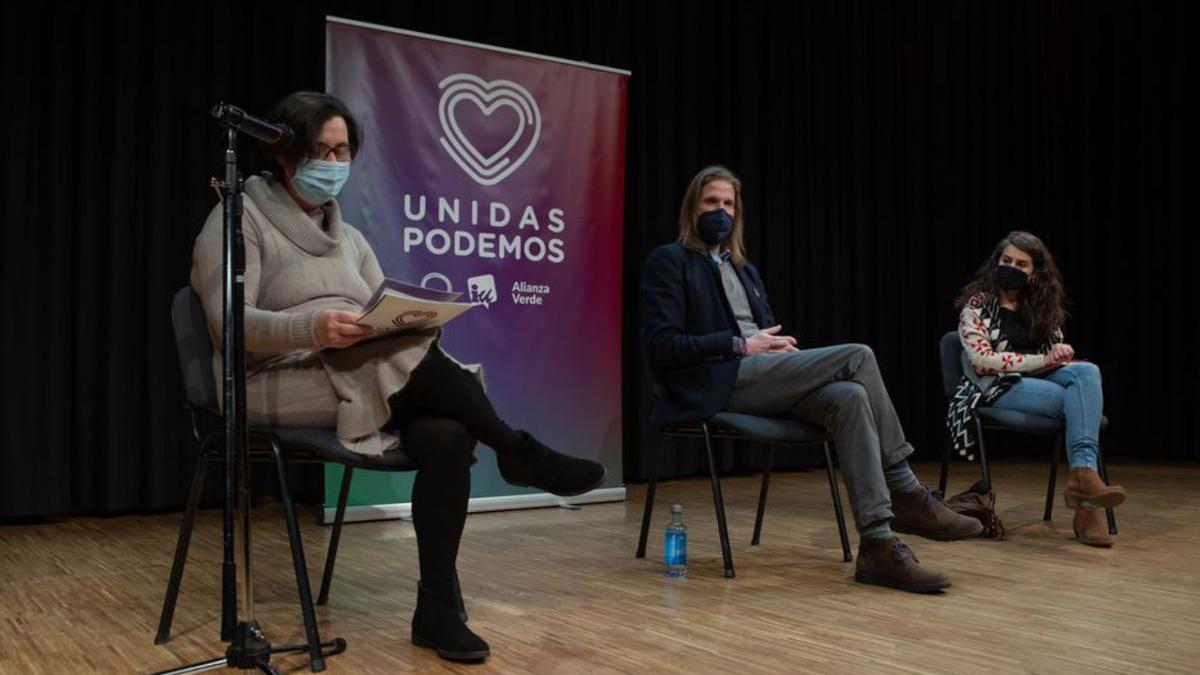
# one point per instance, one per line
(469, 129)
(482, 290)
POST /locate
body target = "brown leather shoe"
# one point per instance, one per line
(1084, 488)
(918, 513)
(1091, 528)
(888, 562)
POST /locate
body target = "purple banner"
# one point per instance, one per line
(500, 175)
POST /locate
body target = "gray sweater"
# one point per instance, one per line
(294, 269)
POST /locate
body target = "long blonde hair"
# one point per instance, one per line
(688, 236)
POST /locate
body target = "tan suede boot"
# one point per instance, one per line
(1091, 528)
(1084, 488)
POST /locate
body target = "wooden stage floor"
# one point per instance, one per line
(559, 591)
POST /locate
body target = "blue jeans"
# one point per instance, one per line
(1071, 394)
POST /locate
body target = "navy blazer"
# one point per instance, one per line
(688, 329)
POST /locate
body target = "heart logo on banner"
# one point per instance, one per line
(487, 98)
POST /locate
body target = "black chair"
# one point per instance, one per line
(279, 445)
(985, 417)
(736, 426)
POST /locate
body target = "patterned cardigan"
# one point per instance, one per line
(989, 369)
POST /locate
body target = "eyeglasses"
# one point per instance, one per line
(339, 154)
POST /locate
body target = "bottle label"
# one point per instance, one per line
(675, 548)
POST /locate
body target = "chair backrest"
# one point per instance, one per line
(195, 349)
(951, 351)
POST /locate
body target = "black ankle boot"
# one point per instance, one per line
(533, 464)
(438, 624)
(458, 600)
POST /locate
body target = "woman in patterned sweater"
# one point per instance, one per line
(1010, 325)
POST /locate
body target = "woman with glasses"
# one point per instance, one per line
(309, 363)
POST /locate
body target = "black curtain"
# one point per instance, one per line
(884, 147)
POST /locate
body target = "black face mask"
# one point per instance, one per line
(714, 226)
(1011, 278)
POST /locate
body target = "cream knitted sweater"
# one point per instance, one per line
(294, 269)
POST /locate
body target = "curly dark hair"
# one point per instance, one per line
(1042, 302)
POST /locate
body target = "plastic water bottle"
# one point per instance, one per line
(675, 544)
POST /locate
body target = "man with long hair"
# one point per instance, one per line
(713, 345)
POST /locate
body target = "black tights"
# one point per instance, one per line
(439, 387)
(442, 451)
(438, 415)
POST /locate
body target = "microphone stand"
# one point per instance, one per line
(249, 648)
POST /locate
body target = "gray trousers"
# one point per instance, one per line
(839, 388)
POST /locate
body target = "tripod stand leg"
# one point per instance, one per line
(200, 667)
(249, 651)
(330, 648)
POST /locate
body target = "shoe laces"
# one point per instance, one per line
(927, 496)
(902, 552)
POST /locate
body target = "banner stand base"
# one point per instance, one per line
(538, 500)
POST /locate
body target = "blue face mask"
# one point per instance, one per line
(714, 226)
(318, 181)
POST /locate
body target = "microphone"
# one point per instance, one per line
(235, 118)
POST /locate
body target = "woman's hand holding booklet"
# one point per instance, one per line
(397, 306)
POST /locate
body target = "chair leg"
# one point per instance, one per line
(762, 495)
(316, 658)
(648, 510)
(718, 503)
(837, 504)
(1103, 471)
(944, 477)
(335, 536)
(1054, 458)
(985, 471)
(181, 551)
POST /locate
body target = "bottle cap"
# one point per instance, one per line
(677, 508)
